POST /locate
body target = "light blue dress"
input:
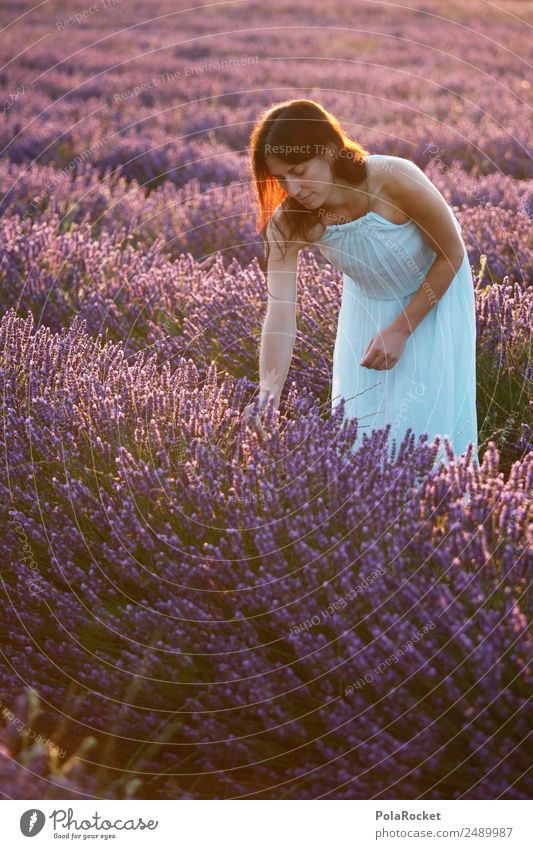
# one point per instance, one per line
(432, 387)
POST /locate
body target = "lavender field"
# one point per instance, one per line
(189, 611)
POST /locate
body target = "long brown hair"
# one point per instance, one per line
(296, 127)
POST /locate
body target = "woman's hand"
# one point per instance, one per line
(384, 349)
(248, 413)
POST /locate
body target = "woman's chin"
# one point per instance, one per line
(310, 201)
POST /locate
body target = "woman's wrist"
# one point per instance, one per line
(401, 325)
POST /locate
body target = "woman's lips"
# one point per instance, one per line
(306, 198)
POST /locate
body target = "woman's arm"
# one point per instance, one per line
(279, 328)
(411, 192)
(414, 194)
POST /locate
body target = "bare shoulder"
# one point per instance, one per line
(276, 234)
(398, 186)
(314, 233)
(392, 173)
(409, 192)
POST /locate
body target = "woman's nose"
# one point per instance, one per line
(293, 188)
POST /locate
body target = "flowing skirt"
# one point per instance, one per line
(432, 387)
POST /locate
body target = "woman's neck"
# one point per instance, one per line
(348, 202)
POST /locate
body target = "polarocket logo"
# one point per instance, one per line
(32, 822)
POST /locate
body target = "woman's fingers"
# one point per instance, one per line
(256, 420)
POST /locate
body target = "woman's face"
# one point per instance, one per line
(308, 182)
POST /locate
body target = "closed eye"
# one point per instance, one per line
(297, 173)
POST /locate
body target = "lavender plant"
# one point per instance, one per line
(185, 572)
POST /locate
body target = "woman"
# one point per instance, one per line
(406, 337)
